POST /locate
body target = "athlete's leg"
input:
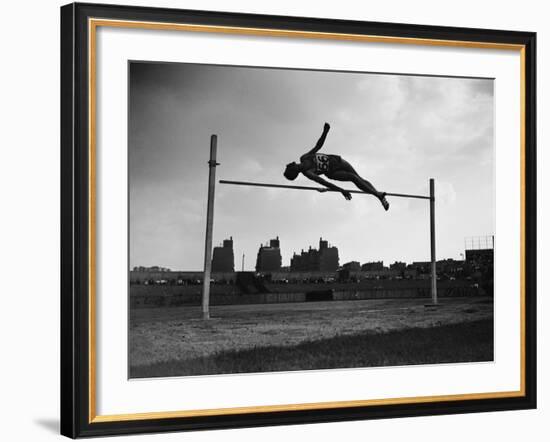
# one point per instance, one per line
(344, 171)
(364, 185)
(349, 174)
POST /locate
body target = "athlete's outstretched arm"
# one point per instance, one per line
(329, 185)
(321, 140)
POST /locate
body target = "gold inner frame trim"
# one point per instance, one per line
(298, 407)
(93, 24)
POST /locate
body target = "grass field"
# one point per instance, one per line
(466, 342)
(282, 337)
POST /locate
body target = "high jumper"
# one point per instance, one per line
(313, 164)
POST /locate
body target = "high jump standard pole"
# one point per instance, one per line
(432, 241)
(209, 227)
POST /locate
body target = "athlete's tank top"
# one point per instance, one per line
(325, 163)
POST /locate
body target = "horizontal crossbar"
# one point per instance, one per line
(318, 189)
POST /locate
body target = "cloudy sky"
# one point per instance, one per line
(397, 131)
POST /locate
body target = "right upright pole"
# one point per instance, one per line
(432, 241)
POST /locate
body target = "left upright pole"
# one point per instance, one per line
(209, 227)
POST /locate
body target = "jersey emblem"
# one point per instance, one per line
(321, 163)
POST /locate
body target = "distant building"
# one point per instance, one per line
(223, 259)
(398, 265)
(450, 266)
(352, 266)
(325, 259)
(375, 265)
(479, 263)
(269, 257)
(421, 266)
(480, 255)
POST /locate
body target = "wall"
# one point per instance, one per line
(29, 225)
(144, 296)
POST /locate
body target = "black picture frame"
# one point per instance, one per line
(76, 403)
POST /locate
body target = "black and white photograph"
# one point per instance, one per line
(275, 221)
(286, 219)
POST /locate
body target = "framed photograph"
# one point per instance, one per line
(273, 220)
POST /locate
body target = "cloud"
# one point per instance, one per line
(252, 167)
(445, 193)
